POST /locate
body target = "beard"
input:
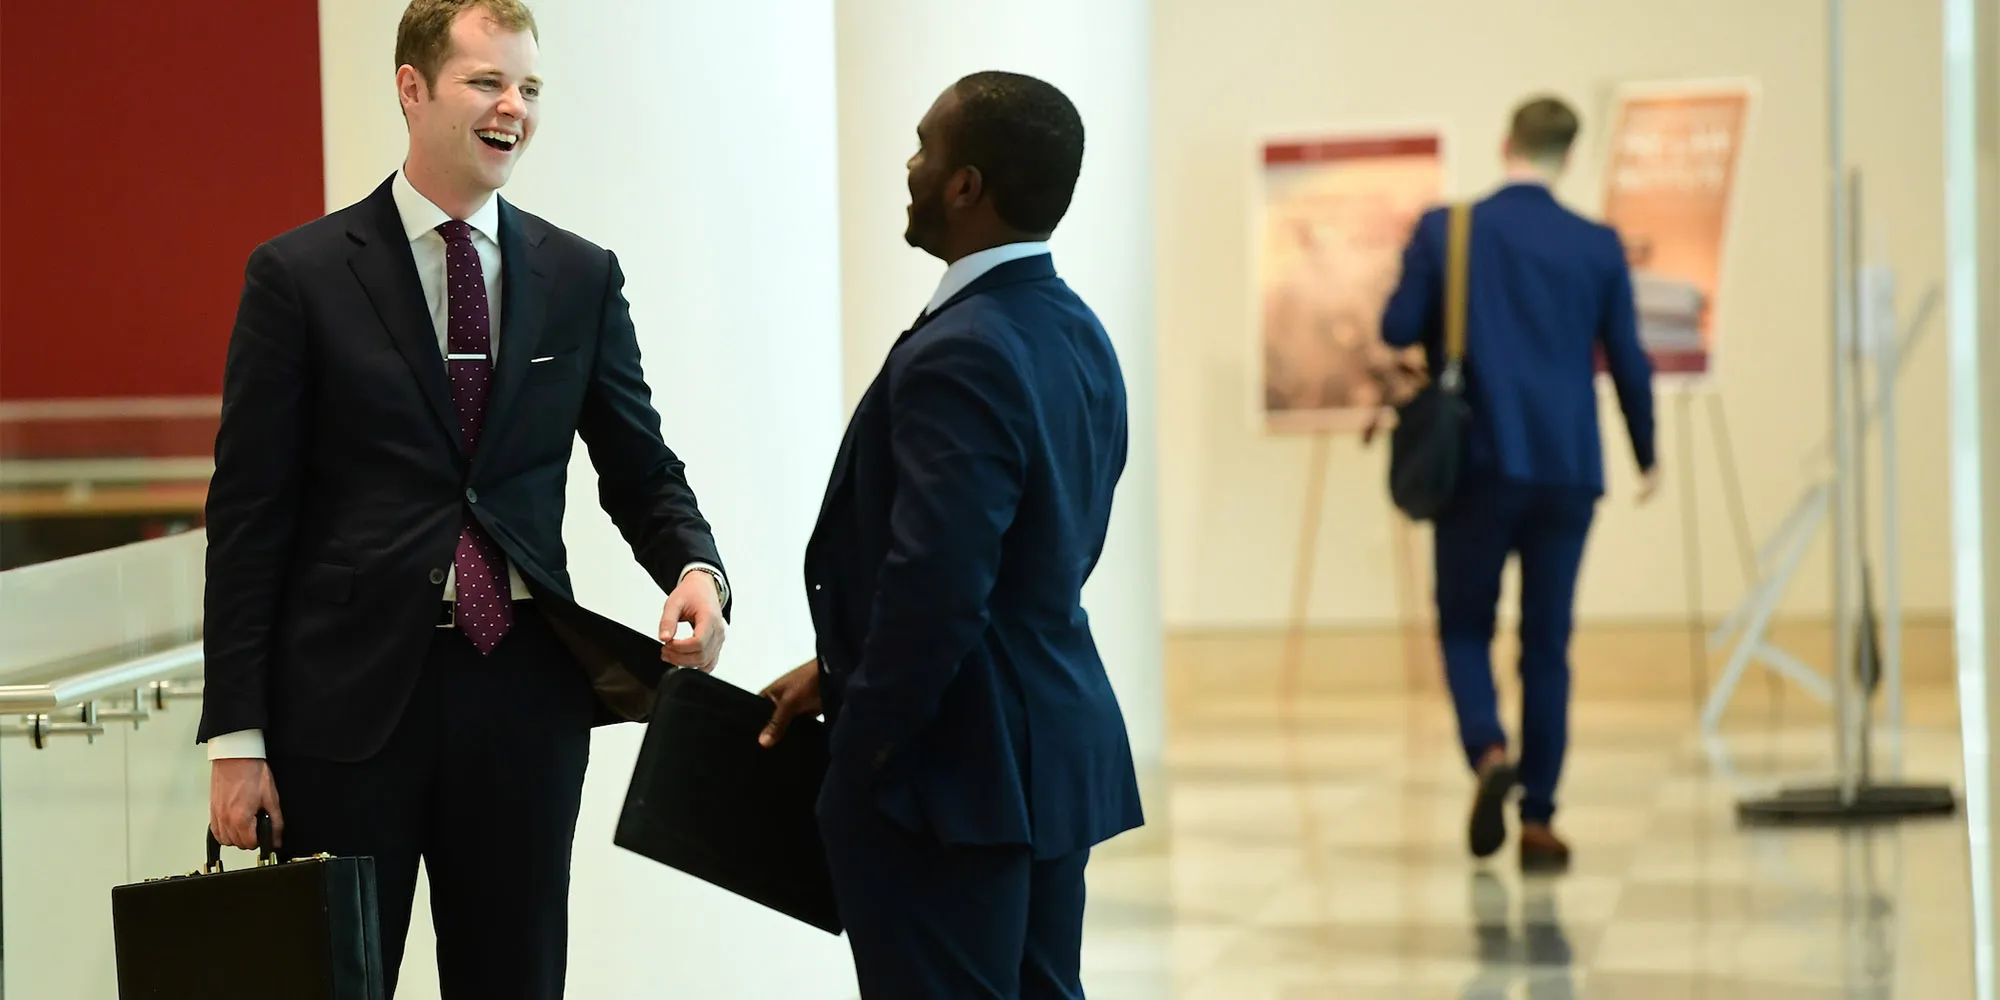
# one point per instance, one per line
(927, 222)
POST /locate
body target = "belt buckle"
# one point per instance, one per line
(450, 615)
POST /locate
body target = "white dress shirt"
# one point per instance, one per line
(421, 217)
(970, 268)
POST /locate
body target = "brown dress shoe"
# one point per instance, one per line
(1542, 850)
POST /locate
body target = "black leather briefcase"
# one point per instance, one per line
(707, 800)
(306, 929)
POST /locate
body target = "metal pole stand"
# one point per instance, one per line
(1856, 797)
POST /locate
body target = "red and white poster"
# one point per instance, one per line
(1669, 188)
(1332, 212)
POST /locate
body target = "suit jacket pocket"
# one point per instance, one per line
(328, 582)
(556, 369)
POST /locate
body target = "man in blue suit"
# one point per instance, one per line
(978, 750)
(1546, 289)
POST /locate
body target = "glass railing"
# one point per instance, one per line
(101, 782)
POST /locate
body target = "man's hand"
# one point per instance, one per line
(1649, 484)
(1400, 377)
(697, 602)
(1373, 427)
(237, 788)
(793, 695)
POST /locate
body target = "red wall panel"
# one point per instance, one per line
(145, 149)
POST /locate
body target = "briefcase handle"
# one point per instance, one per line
(266, 854)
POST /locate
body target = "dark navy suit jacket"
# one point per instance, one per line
(342, 480)
(1546, 289)
(967, 506)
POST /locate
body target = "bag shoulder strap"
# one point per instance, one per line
(1458, 252)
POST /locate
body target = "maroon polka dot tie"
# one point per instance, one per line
(485, 601)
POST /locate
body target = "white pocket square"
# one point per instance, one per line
(537, 361)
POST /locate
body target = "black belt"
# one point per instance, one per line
(448, 612)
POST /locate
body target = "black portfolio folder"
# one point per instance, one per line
(303, 930)
(707, 800)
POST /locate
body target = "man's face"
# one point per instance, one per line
(930, 177)
(476, 122)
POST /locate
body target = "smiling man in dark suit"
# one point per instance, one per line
(389, 613)
(978, 750)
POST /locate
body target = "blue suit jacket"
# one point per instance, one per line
(967, 506)
(1545, 289)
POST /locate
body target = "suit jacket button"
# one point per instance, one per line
(437, 576)
(471, 495)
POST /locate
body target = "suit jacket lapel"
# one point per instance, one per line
(524, 297)
(843, 459)
(388, 272)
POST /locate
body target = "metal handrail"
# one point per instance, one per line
(68, 692)
(149, 682)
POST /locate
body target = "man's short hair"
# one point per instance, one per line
(1543, 130)
(1026, 138)
(423, 40)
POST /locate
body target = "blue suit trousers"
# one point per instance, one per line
(1546, 526)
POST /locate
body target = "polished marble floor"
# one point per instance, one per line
(1306, 841)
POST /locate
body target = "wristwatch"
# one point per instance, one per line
(721, 585)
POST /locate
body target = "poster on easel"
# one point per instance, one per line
(1676, 151)
(1331, 213)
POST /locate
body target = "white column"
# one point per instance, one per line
(896, 56)
(696, 140)
(1972, 208)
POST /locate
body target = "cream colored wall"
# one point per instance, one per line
(1231, 498)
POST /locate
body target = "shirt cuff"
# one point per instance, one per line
(242, 743)
(721, 583)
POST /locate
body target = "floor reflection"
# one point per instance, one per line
(1869, 911)
(1533, 950)
(1309, 844)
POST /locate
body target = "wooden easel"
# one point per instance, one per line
(1414, 616)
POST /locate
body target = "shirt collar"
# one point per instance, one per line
(970, 268)
(421, 216)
